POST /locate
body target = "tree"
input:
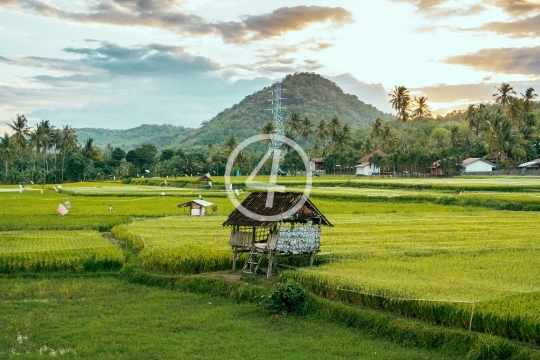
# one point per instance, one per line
(422, 108)
(528, 98)
(503, 96)
(334, 127)
(20, 131)
(294, 125)
(306, 130)
(376, 128)
(67, 143)
(322, 132)
(514, 111)
(267, 129)
(388, 136)
(343, 139)
(454, 139)
(6, 150)
(401, 102)
(230, 144)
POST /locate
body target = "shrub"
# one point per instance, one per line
(288, 298)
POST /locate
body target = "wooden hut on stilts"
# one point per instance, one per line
(285, 229)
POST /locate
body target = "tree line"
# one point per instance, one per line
(506, 131)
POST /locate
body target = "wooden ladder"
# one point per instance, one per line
(252, 263)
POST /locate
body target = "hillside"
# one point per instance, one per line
(159, 135)
(306, 93)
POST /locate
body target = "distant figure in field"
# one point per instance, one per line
(110, 207)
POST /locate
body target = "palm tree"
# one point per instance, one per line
(230, 144)
(267, 129)
(334, 127)
(528, 98)
(454, 139)
(388, 136)
(376, 127)
(343, 139)
(294, 125)
(514, 111)
(503, 96)
(6, 148)
(306, 131)
(68, 142)
(401, 102)
(422, 108)
(322, 131)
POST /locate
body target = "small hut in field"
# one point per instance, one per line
(285, 229)
(196, 207)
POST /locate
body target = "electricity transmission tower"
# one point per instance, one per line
(278, 116)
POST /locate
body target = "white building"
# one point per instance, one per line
(366, 166)
(477, 165)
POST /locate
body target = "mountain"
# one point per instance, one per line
(159, 135)
(307, 93)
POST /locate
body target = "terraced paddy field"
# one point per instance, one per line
(443, 261)
(428, 261)
(42, 251)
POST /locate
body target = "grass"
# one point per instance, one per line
(107, 318)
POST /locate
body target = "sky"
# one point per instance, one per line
(118, 64)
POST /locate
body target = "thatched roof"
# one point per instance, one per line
(283, 202)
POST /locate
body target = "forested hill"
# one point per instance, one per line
(160, 135)
(305, 93)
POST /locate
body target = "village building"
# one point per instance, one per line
(477, 165)
(291, 227)
(530, 165)
(316, 166)
(197, 207)
(366, 166)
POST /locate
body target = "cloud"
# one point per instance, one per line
(444, 8)
(169, 15)
(526, 27)
(468, 93)
(524, 60)
(516, 7)
(113, 59)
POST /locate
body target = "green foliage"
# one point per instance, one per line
(287, 298)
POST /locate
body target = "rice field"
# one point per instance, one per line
(57, 251)
(441, 261)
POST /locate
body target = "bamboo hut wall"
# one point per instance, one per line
(299, 240)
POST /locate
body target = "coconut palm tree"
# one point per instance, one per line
(6, 150)
(454, 139)
(322, 131)
(268, 128)
(334, 127)
(388, 136)
(503, 96)
(376, 127)
(294, 125)
(514, 111)
(422, 108)
(20, 131)
(306, 131)
(68, 142)
(528, 99)
(401, 102)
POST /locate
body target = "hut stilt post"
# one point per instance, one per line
(311, 258)
(235, 257)
(270, 263)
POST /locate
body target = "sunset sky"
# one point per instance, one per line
(122, 63)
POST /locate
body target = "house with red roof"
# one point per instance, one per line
(477, 165)
(366, 165)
